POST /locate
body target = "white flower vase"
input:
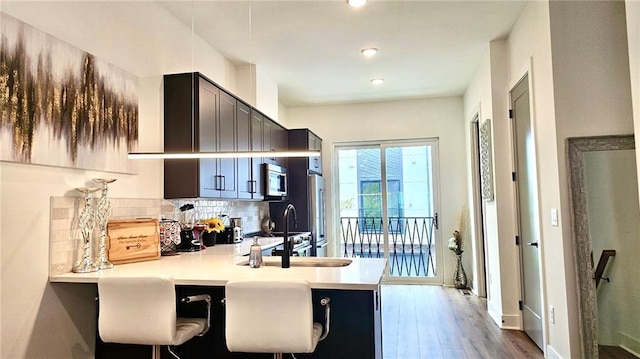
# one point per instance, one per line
(459, 276)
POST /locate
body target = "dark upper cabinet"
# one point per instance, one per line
(198, 116)
(257, 143)
(227, 142)
(206, 123)
(299, 169)
(246, 183)
(268, 136)
(304, 139)
(275, 138)
(182, 134)
(279, 142)
(267, 125)
(201, 117)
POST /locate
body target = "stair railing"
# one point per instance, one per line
(602, 264)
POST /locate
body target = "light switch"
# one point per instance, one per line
(552, 314)
(554, 217)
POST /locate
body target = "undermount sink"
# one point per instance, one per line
(303, 262)
(281, 234)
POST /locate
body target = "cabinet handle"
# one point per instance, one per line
(218, 185)
(253, 186)
(224, 183)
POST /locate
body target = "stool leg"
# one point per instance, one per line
(155, 352)
(171, 352)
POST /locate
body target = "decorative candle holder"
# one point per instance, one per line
(86, 222)
(103, 212)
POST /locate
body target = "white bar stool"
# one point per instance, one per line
(272, 316)
(142, 310)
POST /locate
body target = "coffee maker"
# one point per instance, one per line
(188, 242)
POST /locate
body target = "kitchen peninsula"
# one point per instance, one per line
(354, 291)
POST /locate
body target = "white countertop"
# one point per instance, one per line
(215, 265)
(242, 248)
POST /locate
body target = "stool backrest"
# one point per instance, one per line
(137, 310)
(271, 316)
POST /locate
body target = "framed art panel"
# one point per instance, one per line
(486, 163)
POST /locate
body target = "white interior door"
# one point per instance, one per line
(526, 193)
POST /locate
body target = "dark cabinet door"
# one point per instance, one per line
(227, 142)
(315, 143)
(279, 142)
(246, 183)
(267, 141)
(304, 139)
(181, 178)
(208, 101)
(257, 143)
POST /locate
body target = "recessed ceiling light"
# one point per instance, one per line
(356, 3)
(368, 52)
(377, 80)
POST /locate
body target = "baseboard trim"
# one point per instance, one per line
(511, 322)
(495, 314)
(552, 354)
(629, 343)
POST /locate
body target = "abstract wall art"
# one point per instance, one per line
(61, 106)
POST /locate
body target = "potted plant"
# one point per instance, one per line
(212, 227)
(455, 245)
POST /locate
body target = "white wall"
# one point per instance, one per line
(477, 101)
(529, 49)
(258, 89)
(488, 93)
(428, 118)
(283, 115)
(39, 320)
(592, 96)
(632, 10)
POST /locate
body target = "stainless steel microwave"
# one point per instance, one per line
(275, 183)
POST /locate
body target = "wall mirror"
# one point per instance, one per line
(604, 214)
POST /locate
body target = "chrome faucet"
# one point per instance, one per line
(288, 246)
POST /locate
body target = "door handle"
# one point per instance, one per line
(533, 244)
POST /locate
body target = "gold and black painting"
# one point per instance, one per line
(61, 106)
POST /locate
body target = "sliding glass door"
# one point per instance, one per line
(388, 206)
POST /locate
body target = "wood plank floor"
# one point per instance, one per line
(420, 321)
(610, 352)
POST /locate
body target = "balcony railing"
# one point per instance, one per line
(411, 242)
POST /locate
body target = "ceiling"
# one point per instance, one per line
(312, 48)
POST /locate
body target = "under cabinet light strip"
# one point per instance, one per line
(197, 155)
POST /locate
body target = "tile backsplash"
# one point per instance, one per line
(65, 240)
